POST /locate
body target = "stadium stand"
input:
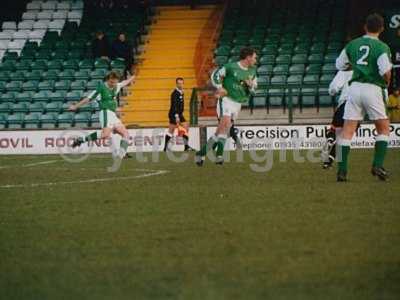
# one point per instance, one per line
(47, 63)
(297, 42)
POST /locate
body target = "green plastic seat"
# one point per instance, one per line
(50, 75)
(54, 64)
(3, 86)
(277, 80)
(5, 107)
(41, 96)
(262, 82)
(94, 120)
(283, 59)
(325, 100)
(314, 69)
(265, 70)
(274, 101)
(23, 65)
(93, 84)
(330, 58)
(82, 119)
(58, 96)
(39, 65)
(299, 59)
(298, 69)
(301, 49)
(14, 86)
(326, 79)
(308, 101)
(219, 61)
(30, 86)
(24, 97)
(317, 48)
(60, 54)
(86, 64)
(315, 59)
(281, 70)
(74, 96)
(33, 75)
(62, 85)
(8, 66)
(101, 64)
(329, 69)
(295, 79)
(78, 85)
(36, 107)
(7, 97)
(3, 121)
(4, 75)
(65, 120)
(75, 54)
(82, 75)
(311, 79)
(71, 64)
(44, 54)
(53, 107)
(309, 91)
(118, 64)
(48, 121)
(98, 75)
(32, 121)
(66, 75)
(15, 121)
(259, 101)
(222, 51)
(47, 85)
(18, 76)
(267, 60)
(22, 107)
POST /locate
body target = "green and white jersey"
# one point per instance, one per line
(106, 96)
(232, 78)
(369, 58)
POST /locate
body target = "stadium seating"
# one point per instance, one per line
(46, 63)
(297, 43)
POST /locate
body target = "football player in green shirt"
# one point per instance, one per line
(107, 93)
(369, 58)
(234, 82)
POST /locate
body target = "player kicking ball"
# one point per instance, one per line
(339, 84)
(370, 60)
(107, 93)
(234, 82)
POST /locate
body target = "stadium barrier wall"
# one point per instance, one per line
(301, 137)
(152, 139)
(59, 141)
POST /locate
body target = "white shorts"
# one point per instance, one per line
(365, 98)
(108, 119)
(228, 107)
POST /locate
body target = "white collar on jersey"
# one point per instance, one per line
(240, 66)
(180, 91)
(371, 37)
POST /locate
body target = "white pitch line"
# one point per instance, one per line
(155, 173)
(46, 162)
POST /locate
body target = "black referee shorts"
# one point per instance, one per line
(172, 119)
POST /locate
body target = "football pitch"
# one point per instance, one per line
(166, 230)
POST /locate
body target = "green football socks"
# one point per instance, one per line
(91, 137)
(381, 145)
(343, 154)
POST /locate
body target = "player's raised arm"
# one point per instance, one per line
(126, 82)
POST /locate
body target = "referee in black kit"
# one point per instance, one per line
(175, 116)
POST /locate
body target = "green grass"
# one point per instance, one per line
(198, 233)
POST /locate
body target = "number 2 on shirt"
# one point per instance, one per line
(365, 50)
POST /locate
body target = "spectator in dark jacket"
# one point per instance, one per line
(100, 46)
(122, 49)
